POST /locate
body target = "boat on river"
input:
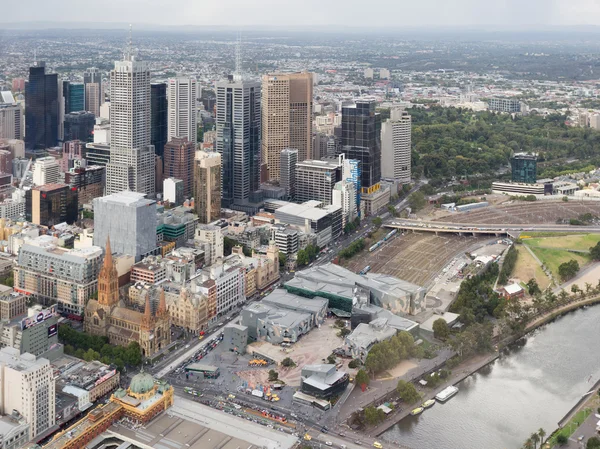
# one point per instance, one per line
(446, 393)
(417, 411)
(428, 403)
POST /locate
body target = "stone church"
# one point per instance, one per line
(109, 316)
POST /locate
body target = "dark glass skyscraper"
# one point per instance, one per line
(361, 140)
(158, 120)
(80, 126)
(238, 138)
(41, 109)
(76, 98)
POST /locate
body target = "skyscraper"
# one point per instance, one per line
(289, 160)
(179, 162)
(287, 105)
(92, 81)
(238, 138)
(207, 186)
(11, 117)
(158, 120)
(41, 109)
(396, 146)
(79, 126)
(315, 180)
(76, 100)
(361, 140)
(182, 109)
(132, 159)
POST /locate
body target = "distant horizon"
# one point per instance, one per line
(149, 26)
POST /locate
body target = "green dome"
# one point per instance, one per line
(141, 383)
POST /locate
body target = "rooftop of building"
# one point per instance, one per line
(126, 198)
(280, 298)
(310, 210)
(46, 244)
(10, 422)
(397, 322)
(321, 376)
(50, 187)
(81, 374)
(20, 362)
(365, 335)
(316, 163)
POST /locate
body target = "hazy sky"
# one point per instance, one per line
(400, 13)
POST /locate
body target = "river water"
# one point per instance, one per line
(533, 385)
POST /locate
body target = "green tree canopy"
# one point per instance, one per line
(407, 392)
(440, 329)
(362, 378)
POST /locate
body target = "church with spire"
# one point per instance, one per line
(110, 316)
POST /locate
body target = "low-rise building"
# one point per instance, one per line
(188, 310)
(210, 238)
(323, 381)
(35, 333)
(364, 336)
(95, 378)
(235, 338)
(12, 304)
(313, 217)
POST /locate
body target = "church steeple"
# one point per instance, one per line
(162, 305)
(108, 280)
(147, 319)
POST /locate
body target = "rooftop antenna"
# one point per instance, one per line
(129, 51)
(35, 56)
(238, 58)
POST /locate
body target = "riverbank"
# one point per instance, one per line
(460, 373)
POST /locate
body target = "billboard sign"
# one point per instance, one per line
(38, 318)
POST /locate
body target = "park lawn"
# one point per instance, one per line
(527, 268)
(552, 258)
(581, 242)
(570, 428)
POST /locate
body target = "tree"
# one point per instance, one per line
(533, 287)
(302, 258)
(362, 378)
(373, 415)
(343, 333)
(595, 251)
(407, 392)
(282, 260)
(440, 329)
(339, 323)
(562, 439)
(417, 201)
(133, 354)
(568, 270)
(287, 362)
(563, 295)
(593, 443)
(331, 359)
(355, 363)
(542, 434)
(535, 439)
(273, 375)
(377, 222)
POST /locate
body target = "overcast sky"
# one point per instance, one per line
(368, 13)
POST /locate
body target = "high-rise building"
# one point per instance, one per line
(132, 158)
(54, 274)
(238, 138)
(51, 204)
(134, 232)
(212, 237)
(316, 179)
(182, 109)
(92, 81)
(509, 105)
(41, 109)
(351, 173)
(361, 140)
(396, 146)
(28, 386)
(524, 168)
(287, 103)
(179, 162)
(76, 98)
(344, 196)
(79, 126)
(207, 186)
(89, 182)
(159, 115)
(289, 160)
(46, 171)
(11, 117)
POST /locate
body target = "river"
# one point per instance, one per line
(532, 385)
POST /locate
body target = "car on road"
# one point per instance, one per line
(357, 442)
(377, 444)
(328, 443)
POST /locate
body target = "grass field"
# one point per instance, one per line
(552, 258)
(527, 268)
(570, 428)
(581, 242)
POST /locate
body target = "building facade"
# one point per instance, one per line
(315, 180)
(179, 162)
(344, 196)
(131, 169)
(89, 182)
(159, 117)
(287, 104)
(188, 310)
(396, 147)
(94, 94)
(41, 109)
(108, 318)
(51, 273)
(79, 125)
(238, 141)
(46, 171)
(524, 168)
(207, 186)
(361, 140)
(182, 109)
(289, 161)
(11, 117)
(212, 237)
(51, 204)
(134, 233)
